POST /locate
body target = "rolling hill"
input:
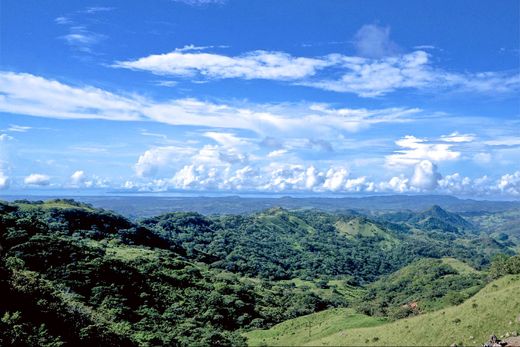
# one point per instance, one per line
(493, 310)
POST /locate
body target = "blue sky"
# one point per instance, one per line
(299, 96)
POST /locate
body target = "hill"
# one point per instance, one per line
(494, 310)
(422, 286)
(279, 244)
(436, 218)
(82, 276)
(149, 206)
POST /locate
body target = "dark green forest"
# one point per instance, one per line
(74, 275)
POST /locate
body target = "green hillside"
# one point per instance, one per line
(304, 329)
(80, 276)
(494, 310)
(422, 286)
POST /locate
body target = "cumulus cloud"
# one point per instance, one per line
(415, 150)
(335, 179)
(510, 184)
(37, 180)
(425, 176)
(78, 178)
(4, 181)
(156, 158)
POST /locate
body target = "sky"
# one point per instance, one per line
(294, 96)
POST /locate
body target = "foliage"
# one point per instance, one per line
(493, 310)
(422, 286)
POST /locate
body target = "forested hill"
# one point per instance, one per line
(80, 276)
(148, 206)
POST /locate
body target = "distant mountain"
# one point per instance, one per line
(436, 218)
(148, 206)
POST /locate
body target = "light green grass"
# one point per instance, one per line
(459, 266)
(50, 204)
(494, 310)
(333, 286)
(359, 227)
(126, 253)
(302, 330)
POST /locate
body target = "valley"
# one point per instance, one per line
(77, 274)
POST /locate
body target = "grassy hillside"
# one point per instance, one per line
(494, 310)
(302, 330)
(459, 266)
(422, 286)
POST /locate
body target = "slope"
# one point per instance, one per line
(494, 310)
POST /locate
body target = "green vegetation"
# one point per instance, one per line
(80, 276)
(495, 309)
(423, 286)
(302, 330)
(279, 244)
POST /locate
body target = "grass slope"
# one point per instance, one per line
(460, 266)
(302, 330)
(494, 310)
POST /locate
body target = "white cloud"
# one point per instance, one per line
(4, 181)
(156, 158)
(18, 128)
(82, 39)
(482, 158)
(371, 75)
(414, 150)
(96, 9)
(358, 184)
(23, 93)
(227, 139)
(5, 137)
(335, 179)
(425, 176)
(252, 65)
(32, 95)
(63, 20)
(37, 180)
(373, 41)
(510, 184)
(398, 184)
(457, 137)
(78, 177)
(276, 153)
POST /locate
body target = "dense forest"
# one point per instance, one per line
(71, 274)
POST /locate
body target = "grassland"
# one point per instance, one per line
(459, 266)
(302, 330)
(494, 310)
